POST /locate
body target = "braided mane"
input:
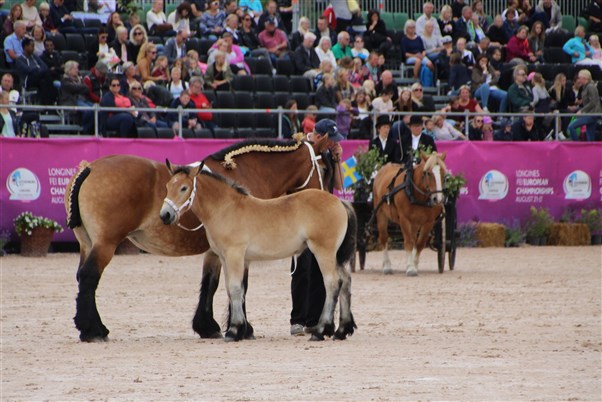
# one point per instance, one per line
(254, 145)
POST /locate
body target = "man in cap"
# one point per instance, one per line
(307, 285)
(274, 40)
(387, 144)
(415, 141)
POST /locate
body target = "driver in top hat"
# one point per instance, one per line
(410, 143)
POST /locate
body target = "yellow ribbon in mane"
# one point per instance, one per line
(229, 162)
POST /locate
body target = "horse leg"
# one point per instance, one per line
(203, 322)
(382, 224)
(409, 245)
(346, 321)
(87, 320)
(332, 285)
(234, 273)
(249, 333)
(423, 236)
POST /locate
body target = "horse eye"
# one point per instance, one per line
(184, 189)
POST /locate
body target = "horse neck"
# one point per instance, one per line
(213, 196)
(419, 181)
(269, 175)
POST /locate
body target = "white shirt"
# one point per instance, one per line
(153, 18)
(326, 56)
(421, 22)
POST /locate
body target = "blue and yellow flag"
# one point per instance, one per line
(350, 176)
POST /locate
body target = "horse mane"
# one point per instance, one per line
(239, 189)
(227, 155)
(433, 160)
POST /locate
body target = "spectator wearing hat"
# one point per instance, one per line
(274, 40)
(415, 141)
(386, 144)
(34, 73)
(307, 285)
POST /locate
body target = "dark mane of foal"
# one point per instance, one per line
(187, 169)
(221, 154)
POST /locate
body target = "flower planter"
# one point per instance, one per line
(36, 244)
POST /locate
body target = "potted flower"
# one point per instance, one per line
(593, 220)
(538, 226)
(36, 233)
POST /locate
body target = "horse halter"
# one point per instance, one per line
(427, 193)
(186, 205)
(314, 168)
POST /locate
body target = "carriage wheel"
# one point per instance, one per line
(452, 252)
(452, 224)
(441, 245)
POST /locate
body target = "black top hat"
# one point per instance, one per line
(415, 120)
(382, 120)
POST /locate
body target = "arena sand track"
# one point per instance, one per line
(507, 324)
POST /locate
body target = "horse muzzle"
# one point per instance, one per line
(168, 215)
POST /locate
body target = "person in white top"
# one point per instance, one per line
(324, 52)
(155, 17)
(427, 9)
(180, 17)
(30, 14)
(444, 131)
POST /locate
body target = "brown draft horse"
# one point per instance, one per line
(412, 202)
(241, 228)
(120, 196)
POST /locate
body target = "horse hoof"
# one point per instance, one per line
(316, 338)
(388, 271)
(339, 336)
(230, 339)
(213, 335)
(411, 272)
(96, 339)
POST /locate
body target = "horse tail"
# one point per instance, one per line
(347, 248)
(74, 218)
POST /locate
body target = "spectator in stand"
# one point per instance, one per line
(74, 92)
(271, 11)
(254, 7)
(465, 27)
(357, 73)
(138, 38)
(444, 130)
(246, 34)
(189, 120)
(385, 142)
(179, 18)
(458, 73)
(590, 101)
(497, 33)
(496, 60)
(376, 37)
(176, 85)
(511, 25)
(230, 7)
(129, 77)
(326, 99)
(322, 29)
(146, 58)
(520, 95)
(274, 40)
(324, 51)
(7, 85)
(594, 43)
(383, 104)
(97, 82)
(12, 44)
(8, 118)
(38, 35)
(30, 13)
(362, 121)
(212, 21)
(103, 52)
(387, 82)
(309, 121)
(446, 22)
(16, 14)
(192, 66)
(156, 20)
(427, 15)
(290, 120)
(404, 103)
(475, 129)
(580, 51)
(525, 129)
(34, 73)
(343, 16)
(46, 19)
(120, 44)
(443, 59)
(201, 102)
(234, 54)
(412, 48)
(479, 12)
(553, 15)
(161, 70)
(305, 58)
(197, 8)
(466, 55)
(343, 88)
(421, 102)
(297, 37)
(518, 50)
(481, 48)
(479, 31)
(466, 103)
(537, 38)
(484, 84)
(358, 50)
(140, 101)
(53, 60)
(219, 76)
(342, 48)
(560, 96)
(285, 9)
(113, 22)
(123, 123)
(61, 17)
(593, 13)
(175, 47)
(433, 44)
(232, 25)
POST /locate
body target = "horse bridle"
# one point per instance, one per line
(186, 205)
(314, 168)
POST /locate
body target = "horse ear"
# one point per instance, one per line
(168, 163)
(443, 155)
(197, 170)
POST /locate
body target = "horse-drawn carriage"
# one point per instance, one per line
(416, 199)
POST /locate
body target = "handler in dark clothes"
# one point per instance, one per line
(307, 285)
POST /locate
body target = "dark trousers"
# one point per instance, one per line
(124, 124)
(307, 290)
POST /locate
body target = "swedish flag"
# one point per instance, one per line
(350, 176)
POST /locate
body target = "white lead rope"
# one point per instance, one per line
(314, 167)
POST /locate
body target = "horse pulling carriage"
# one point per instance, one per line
(415, 199)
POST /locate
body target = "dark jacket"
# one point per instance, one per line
(425, 141)
(392, 151)
(55, 64)
(326, 97)
(519, 97)
(72, 90)
(303, 61)
(520, 132)
(28, 66)
(172, 117)
(170, 50)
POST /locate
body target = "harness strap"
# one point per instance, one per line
(314, 168)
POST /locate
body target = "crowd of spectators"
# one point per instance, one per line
(488, 63)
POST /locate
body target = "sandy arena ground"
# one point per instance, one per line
(507, 324)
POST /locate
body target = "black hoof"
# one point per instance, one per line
(232, 336)
(91, 333)
(328, 330)
(316, 338)
(249, 332)
(207, 329)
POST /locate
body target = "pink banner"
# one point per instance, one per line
(503, 179)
